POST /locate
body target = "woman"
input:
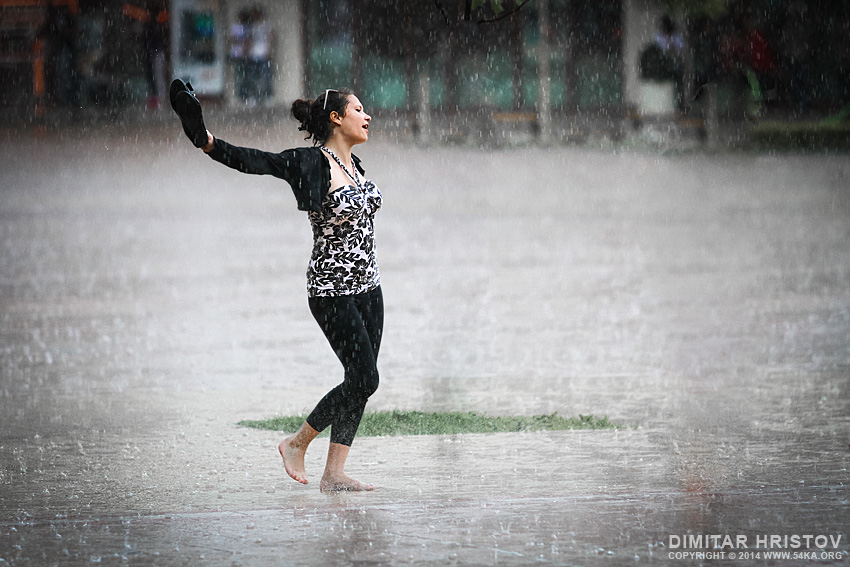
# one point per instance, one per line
(343, 282)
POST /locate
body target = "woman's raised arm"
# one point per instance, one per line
(284, 165)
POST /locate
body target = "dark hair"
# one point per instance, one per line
(315, 115)
(667, 25)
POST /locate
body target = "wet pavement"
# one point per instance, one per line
(151, 299)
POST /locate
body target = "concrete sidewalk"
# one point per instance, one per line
(151, 299)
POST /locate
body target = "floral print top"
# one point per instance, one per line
(343, 260)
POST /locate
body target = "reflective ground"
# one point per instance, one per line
(152, 298)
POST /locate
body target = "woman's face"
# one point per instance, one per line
(354, 126)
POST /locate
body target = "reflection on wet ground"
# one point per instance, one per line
(151, 299)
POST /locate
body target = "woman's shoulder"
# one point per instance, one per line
(307, 150)
(302, 152)
(307, 159)
(313, 169)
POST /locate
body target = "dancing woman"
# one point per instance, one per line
(343, 281)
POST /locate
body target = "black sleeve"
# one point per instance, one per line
(284, 165)
(305, 169)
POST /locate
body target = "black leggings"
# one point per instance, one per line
(353, 325)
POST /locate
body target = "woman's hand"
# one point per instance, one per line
(210, 143)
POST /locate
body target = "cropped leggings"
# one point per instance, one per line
(353, 325)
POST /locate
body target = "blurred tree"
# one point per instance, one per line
(696, 8)
(497, 7)
(486, 11)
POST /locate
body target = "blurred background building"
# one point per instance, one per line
(534, 62)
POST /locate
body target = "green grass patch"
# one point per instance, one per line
(444, 423)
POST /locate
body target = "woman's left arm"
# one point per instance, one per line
(251, 160)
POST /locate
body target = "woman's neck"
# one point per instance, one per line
(340, 148)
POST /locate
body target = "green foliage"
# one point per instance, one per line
(396, 422)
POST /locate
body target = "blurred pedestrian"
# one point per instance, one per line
(239, 44)
(343, 281)
(747, 60)
(672, 45)
(668, 37)
(155, 47)
(60, 32)
(259, 58)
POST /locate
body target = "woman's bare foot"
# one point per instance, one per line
(343, 484)
(293, 459)
(334, 479)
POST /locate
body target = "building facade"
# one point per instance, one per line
(545, 57)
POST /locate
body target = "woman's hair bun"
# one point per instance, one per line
(301, 110)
